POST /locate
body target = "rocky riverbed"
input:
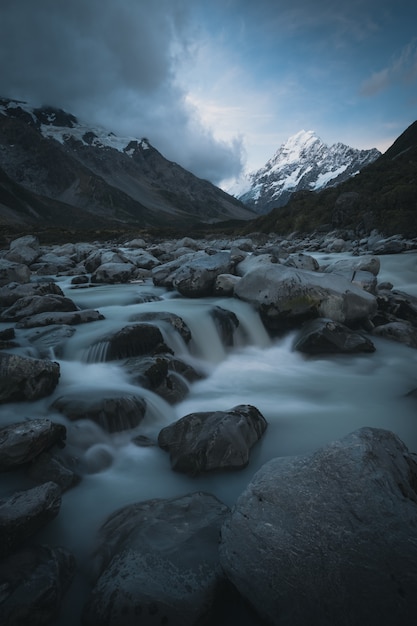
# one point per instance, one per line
(99, 360)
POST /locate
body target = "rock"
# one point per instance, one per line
(392, 245)
(285, 296)
(11, 272)
(114, 273)
(224, 284)
(135, 340)
(24, 513)
(24, 378)
(397, 304)
(324, 336)
(23, 441)
(112, 410)
(33, 583)
(158, 563)
(22, 254)
(28, 241)
(252, 262)
(163, 374)
(31, 305)
(202, 442)
(52, 263)
(12, 292)
(170, 320)
(329, 538)
(49, 466)
(302, 261)
(226, 323)
(403, 332)
(163, 275)
(196, 278)
(70, 318)
(51, 340)
(364, 263)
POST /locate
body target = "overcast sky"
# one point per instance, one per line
(218, 86)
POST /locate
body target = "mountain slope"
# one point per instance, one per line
(119, 181)
(382, 196)
(304, 162)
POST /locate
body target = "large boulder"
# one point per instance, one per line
(32, 305)
(114, 273)
(158, 563)
(24, 441)
(329, 538)
(286, 296)
(12, 292)
(24, 378)
(207, 441)
(324, 336)
(11, 272)
(114, 411)
(134, 340)
(196, 278)
(34, 581)
(26, 512)
(68, 318)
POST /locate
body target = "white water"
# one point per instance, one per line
(306, 401)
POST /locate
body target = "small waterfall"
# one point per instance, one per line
(97, 352)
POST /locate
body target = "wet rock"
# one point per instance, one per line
(286, 296)
(33, 583)
(170, 320)
(392, 245)
(49, 466)
(7, 337)
(164, 275)
(158, 563)
(11, 272)
(24, 378)
(302, 261)
(114, 273)
(51, 340)
(32, 305)
(202, 442)
(23, 253)
(324, 336)
(26, 512)
(226, 323)
(328, 538)
(397, 305)
(12, 292)
(135, 340)
(23, 441)
(80, 280)
(224, 284)
(196, 278)
(70, 318)
(112, 411)
(363, 263)
(51, 263)
(252, 262)
(400, 331)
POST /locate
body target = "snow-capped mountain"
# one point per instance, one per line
(55, 168)
(303, 162)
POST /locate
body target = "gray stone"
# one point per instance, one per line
(24, 378)
(324, 336)
(225, 284)
(196, 278)
(12, 292)
(158, 563)
(207, 441)
(400, 331)
(69, 318)
(285, 296)
(24, 441)
(11, 272)
(31, 305)
(26, 512)
(364, 263)
(329, 538)
(114, 273)
(33, 583)
(302, 261)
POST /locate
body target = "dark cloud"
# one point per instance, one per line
(112, 62)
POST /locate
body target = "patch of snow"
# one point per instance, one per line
(325, 177)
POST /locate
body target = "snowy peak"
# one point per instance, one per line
(303, 162)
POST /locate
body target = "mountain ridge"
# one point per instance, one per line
(303, 162)
(112, 180)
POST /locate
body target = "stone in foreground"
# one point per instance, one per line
(329, 538)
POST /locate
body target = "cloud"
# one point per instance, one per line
(401, 69)
(115, 64)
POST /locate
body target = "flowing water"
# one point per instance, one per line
(307, 401)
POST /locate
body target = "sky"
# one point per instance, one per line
(218, 86)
